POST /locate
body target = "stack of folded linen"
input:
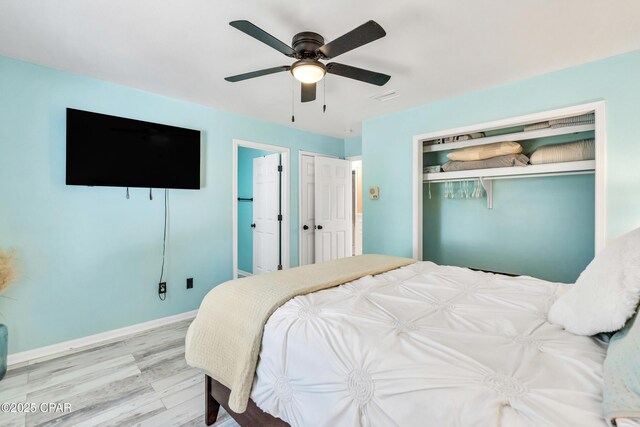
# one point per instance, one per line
(456, 138)
(584, 119)
(498, 155)
(536, 126)
(432, 169)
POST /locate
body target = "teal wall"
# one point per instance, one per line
(245, 209)
(353, 146)
(387, 154)
(541, 227)
(89, 260)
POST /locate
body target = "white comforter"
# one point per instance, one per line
(427, 345)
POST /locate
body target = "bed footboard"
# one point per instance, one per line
(217, 395)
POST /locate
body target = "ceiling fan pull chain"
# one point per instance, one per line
(324, 90)
(293, 108)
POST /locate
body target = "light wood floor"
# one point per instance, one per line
(139, 380)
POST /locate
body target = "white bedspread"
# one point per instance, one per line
(427, 345)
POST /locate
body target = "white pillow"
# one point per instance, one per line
(607, 292)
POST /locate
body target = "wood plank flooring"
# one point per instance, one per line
(139, 380)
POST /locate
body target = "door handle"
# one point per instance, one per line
(253, 226)
(305, 227)
(319, 227)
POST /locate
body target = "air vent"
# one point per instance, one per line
(385, 96)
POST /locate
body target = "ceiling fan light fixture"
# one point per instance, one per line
(308, 71)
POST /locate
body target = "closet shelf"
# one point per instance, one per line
(549, 169)
(516, 136)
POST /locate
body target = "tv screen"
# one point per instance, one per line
(113, 151)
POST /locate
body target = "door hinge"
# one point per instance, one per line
(279, 217)
(279, 168)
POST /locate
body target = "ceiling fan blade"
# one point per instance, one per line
(308, 92)
(365, 33)
(260, 34)
(355, 73)
(258, 73)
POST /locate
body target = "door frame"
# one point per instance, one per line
(285, 160)
(300, 154)
(355, 196)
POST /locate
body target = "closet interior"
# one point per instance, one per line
(516, 195)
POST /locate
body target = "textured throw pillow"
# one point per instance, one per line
(567, 152)
(488, 151)
(607, 292)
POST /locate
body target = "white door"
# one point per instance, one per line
(333, 209)
(266, 198)
(307, 209)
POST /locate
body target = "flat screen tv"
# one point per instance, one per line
(113, 151)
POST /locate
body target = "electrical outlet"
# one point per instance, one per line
(162, 288)
(190, 283)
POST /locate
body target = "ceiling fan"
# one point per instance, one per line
(308, 49)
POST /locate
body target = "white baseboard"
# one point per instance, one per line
(102, 337)
(244, 273)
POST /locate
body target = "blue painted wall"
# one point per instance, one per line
(541, 227)
(387, 149)
(245, 209)
(89, 259)
(353, 146)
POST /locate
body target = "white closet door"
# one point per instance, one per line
(333, 209)
(266, 193)
(307, 210)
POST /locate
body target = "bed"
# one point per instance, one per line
(420, 344)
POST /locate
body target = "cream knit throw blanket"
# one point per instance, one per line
(226, 335)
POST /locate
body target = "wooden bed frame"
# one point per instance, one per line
(217, 395)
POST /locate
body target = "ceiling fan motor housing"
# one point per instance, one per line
(306, 44)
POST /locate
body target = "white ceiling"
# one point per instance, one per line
(434, 49)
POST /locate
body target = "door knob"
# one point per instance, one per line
(305, 227)
(319, 227)
(253, 226)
